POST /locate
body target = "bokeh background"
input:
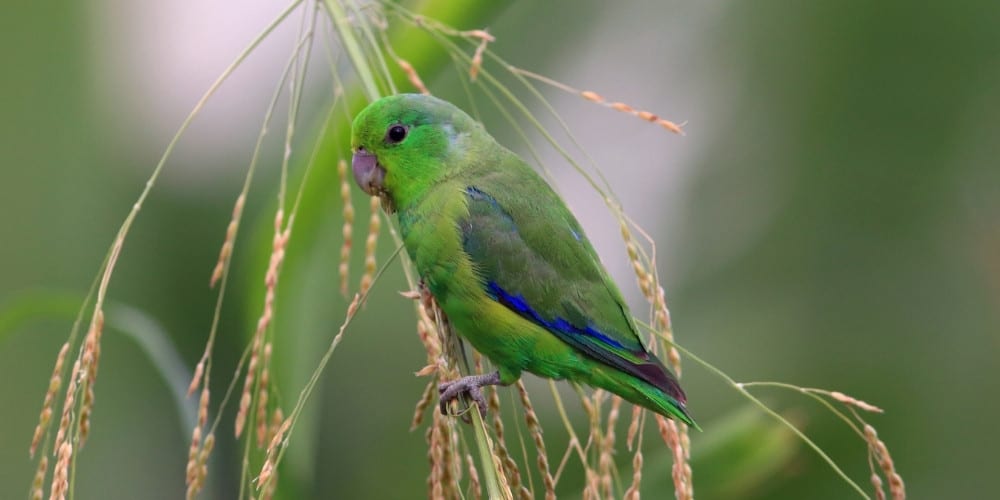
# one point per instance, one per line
(830, 220)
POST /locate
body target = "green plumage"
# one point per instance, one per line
(501, 253)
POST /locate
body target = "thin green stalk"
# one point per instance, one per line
(354, 52)
(574, 440)
(485, 457)
(374, 46)
(813, 393)
(739, 388)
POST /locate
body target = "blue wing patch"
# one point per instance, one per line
(518, 304)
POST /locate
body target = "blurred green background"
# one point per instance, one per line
(830, 220)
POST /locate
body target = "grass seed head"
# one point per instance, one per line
(60, 476)
(192, 463)
(877, 486)
(199, 371)
(371, 244)
(535, 429)
(897, 489)
(632, 493)
(262, 396)
(55, 383)
(67, 410)
(857, 403)
(683, 489)
(38, 483)
(412, 76)
(227, 245)
(343, 269)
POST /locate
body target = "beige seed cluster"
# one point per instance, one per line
(897, 489)
(857, 403)
(55, 382)
(192, 463)
(632, 493)
(227, 245)
(592, 485)
(442, 481)
(267, 479)
(598, 99)
(265, 381)
(199, 371)
(426, 331)
(371, 244)
(606, 463)
(60, 476)
(347, 231)
(38, 483)
(535, 429)
(426, 398)
(198, 452)
(197, 466)
(434, 488)
(279, 244)
(633, 427)
(477, 57)
(877, 485)
(625, 108)
(669, 433)
(412, 76)
(67, 411)
(88, 374)
(241, 414)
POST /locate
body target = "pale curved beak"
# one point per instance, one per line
(367, 172)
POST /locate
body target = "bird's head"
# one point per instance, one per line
(404, 144)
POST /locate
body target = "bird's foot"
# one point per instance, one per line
(471, 385)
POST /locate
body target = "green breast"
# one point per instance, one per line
(432, 238)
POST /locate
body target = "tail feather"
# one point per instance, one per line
(664, 404)
(640, 392)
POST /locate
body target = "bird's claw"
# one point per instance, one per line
(472, 386)
(451, 391)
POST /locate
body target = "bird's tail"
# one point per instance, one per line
(662, 403)
(640, 392)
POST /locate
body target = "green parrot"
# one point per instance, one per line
(502, 255)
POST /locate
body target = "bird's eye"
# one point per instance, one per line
(396, 134)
